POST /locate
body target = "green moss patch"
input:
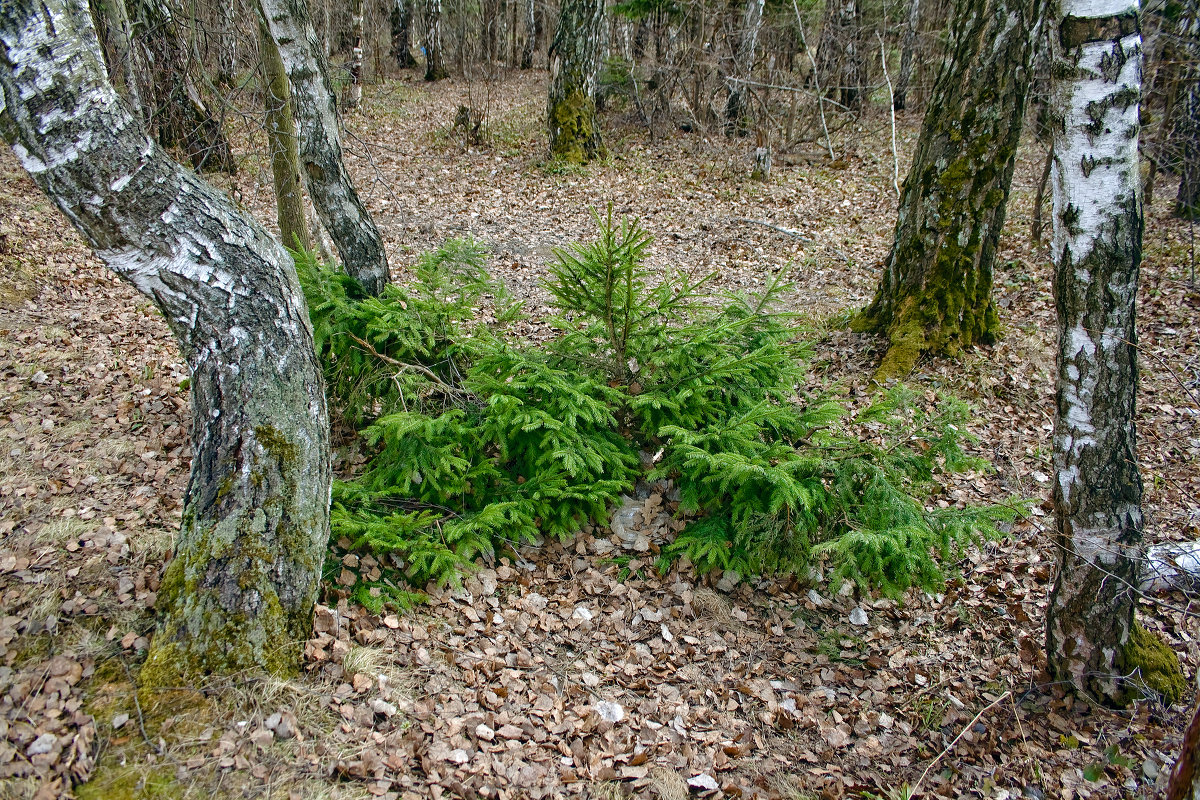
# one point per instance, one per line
(1156, 663)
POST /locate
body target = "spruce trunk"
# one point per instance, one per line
(283, 145)
(333, 195)
(1097, 250)
(240, 591)
(936, 291)
(574, 64)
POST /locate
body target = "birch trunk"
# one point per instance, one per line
(1187, 122)
(354, 92)
(530, 44)
(117, 47)
(283, 145)
(435, 63)
(1097, 250)
(935, 295)
(240, 590)
(574, 63)
(341, 212)
(743, 66)
(907, 46)
(401, 22)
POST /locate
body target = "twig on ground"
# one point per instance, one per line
(916, 787)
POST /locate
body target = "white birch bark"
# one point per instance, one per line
(743, 66)
(1097, 249)
(333, 194)
(240, 590)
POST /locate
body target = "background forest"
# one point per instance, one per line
(693, 643)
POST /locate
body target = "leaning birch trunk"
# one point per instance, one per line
(118, 50)
(435, 64)
(354, 92)
(283, 145)
(935, 295)
(341, 212)
(735, 105)
(240, 591)
(530, 34)
(907, 46)
(574, 64)
(1092, 639)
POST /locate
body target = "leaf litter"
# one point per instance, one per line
(572, 669)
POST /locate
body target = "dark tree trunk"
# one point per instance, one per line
(839, 55)
(176, 110)
(743, 66)
(435, 63)
(116, 42)
(283, 145)
(333, 195)
(936, 291)
(1091, 637)
(904, 78)
(239, 593)
(574, 63)
(401, 22)
(1186, 129)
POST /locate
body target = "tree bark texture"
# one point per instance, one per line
(117, 46)
(936, 291)
(743, 65)
(435, 58)
(176, 109)
(354, 91)
(575, 57)
(1186, 128)
(530, 44)
(401, 22)
(907, 46)
(1185, 776)
(1097, 249)
(240, 590)
(839, 56)
(341, 212)
(283, 145)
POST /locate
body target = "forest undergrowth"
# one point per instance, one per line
(610, 660)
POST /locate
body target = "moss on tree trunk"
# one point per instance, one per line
(574, 63)
(935, 295)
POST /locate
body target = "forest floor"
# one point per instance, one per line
(553, 673)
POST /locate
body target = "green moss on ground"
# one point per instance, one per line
(1157, 664)
(130, 783)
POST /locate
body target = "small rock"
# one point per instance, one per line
(39, 377)
(1150, 769)
(484, 732)
(609, 711)
(42, 745)
(858, 616)
(815, 598)
(703, 782)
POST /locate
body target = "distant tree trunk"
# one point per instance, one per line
(1187, 117)
(401, 21)
(1092, 640)
(227, 43)
(574, 63)
(239, 593)
(354, 91)
(435, 64)
(907, 46)
(839, 57)
(283, 145)
(177, 112)
(329, 185)
(743, 67)
(936, 291)
(530, 8)
(117, 46)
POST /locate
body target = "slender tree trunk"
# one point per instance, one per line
(354, 91)
(227, 43)
(574, 63)
(1187, 114)
(907, 46)
(117, 46)
(936, 291)
(329, 185)
(435, 64)
(283, 144)
(530, 8)
(240, 590)
(177, 112)
(401, 21)
(743, 66)
(839, 61)
(1097, 250)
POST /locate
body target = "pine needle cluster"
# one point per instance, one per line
(482, 442)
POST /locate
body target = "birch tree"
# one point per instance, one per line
(435, 59)
(575, 56)
(283, 145)
(530, 44)
(116, 43)
(1092, 640)
(935, 294)
(354, 91)
(1187, 121)
(743, 65)
(342, 213)
(401, 23)
(907, 48)
(240, 590)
